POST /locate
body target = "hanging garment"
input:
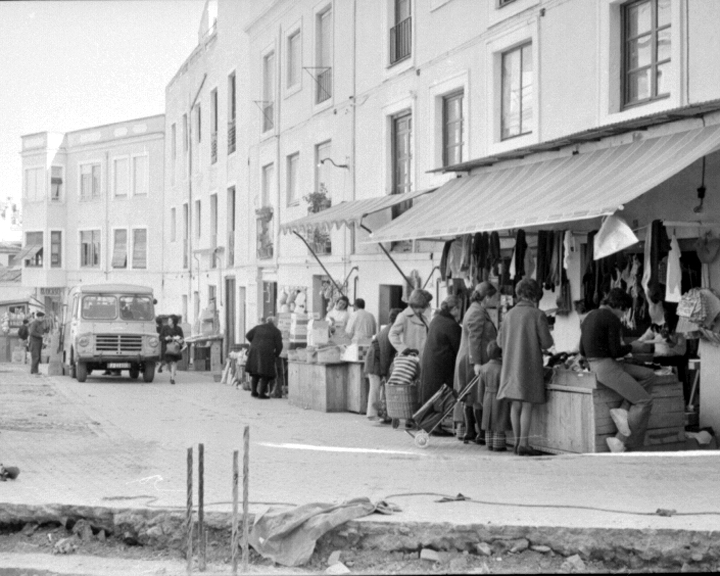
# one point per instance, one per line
(588, 279)
(659, 249)
(466, 243)
(673, 279)
(542, 256)
(529, 264)
(647, 266)
(455, 258)
(568, 247)
(444, 260)
(521, 248)
(494, 252)
(614, 235)
(552, 278)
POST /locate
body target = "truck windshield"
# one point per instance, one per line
(97, 307)
(136, 307)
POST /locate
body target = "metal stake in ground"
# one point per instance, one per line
(188, 512)
(201, 507)
(234, 539)
(246, 470)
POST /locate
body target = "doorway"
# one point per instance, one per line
(390, 297)
(230, 336)
(269, 306)
(242, 323)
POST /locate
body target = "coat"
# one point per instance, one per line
(478, 331)
(410, 331)
(496, 413)
(170, 332)
(265, 347)
(437, 365)
(524, 334)
(387, 352)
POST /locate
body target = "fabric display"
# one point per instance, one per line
(673, 276)
(406, 369)
(699, 315)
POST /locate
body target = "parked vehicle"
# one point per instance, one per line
(110, 327)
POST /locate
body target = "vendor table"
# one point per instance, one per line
(317, 386)
(358, 388)
(576, 416)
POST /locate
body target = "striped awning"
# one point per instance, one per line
(349, 213)
(560, 188)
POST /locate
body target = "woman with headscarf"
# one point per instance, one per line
(478, 330)
(524, 334)
(437, 366)
(410, 329)
(265, 347)
(173, 338)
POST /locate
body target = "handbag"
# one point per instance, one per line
(172, 348)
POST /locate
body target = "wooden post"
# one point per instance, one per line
(201, 507)
(246, 470)
(189, 512)
(234, 539)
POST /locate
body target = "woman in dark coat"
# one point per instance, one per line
(478, 331)
(172, 333)
(265, 347)
(524, 334)
(437, 365)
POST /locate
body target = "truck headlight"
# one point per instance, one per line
(153, 342)
(84, 341)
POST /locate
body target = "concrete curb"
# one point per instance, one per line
(164, 528)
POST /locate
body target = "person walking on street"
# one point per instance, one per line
(265, 347)
(524, 334)
(159, 327)
(478, 331)
(437, 366)
(36, 332)
(174, 339)
(601, 344)
(361, 325)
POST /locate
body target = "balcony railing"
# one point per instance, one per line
(324, 85)
(231, 136)
(213, 147)
(268, 111)
(401, 40)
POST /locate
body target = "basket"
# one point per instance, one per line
(401, 400)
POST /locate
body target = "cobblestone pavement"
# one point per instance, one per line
(115, 442)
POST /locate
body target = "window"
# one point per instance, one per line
(646, 51)
(56, 182)
(34, 183)
(89, 181)
(55, 249)
(90, 249)
(173, 152)
(120, 248)
(121, 177)
(231, 226)
(213, 126)
(185, 132)
(517, 96)
(453, 129)
(502, 3)
(213, 227)
(198, 122)
(198, 219)
(34, 258)
(322, 169)
(324, 56)
(231, 112)
(401, 148)
(293, 163)
(139, 248)
(268, 101)
(294, 59)
(173, 225)
(401, 32)
(140, 175)
(268, 172)
(186, 235)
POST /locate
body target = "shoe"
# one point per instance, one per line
(254, 394)
(620, 418)
(527, 451)
(409, 424)
(490, 448)
(172, 381)
(615, 444)
(480, 439)
(263, 397)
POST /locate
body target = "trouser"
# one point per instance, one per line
(496, 440)
(373, 396)
(35, 349)
(259, 384)
(473, 416)
(633, 383)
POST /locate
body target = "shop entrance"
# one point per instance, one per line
(269, 306)
(390, 296)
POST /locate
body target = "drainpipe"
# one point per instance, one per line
(278, 192)
(107, 216)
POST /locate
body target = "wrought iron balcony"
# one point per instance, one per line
(401, 40)
(231, 136)
(213, 147)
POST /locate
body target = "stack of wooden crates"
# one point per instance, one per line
(576, 415)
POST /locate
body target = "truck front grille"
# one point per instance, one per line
(118, 343)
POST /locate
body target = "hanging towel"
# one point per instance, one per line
(569, 246)
(673, 291)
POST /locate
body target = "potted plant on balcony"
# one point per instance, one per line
(264, 213)
(317, 202)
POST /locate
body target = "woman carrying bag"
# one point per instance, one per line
(174, 339)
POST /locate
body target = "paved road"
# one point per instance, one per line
(114, 442)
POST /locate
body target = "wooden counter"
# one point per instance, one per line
(576, 415)
(317, 386)
(358, 388)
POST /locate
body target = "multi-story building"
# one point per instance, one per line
(92, 207)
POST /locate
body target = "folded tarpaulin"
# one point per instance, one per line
(288, 536)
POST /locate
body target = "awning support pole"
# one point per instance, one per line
(388, 255)
(431, 275)
(319, 262)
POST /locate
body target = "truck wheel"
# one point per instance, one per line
(134, 372)
(81, 371)
(149, 371)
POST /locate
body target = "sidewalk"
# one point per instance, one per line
(115, 443)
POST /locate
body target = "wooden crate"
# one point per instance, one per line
(358, 388)
(319, 387)
(576, 417)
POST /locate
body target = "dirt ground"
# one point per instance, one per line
(29, 552)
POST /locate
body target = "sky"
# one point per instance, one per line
(67, 65)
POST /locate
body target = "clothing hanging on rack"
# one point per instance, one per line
(673, 279)
(444, 260)
(521, 247)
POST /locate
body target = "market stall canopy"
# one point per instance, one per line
(580, 183)
(349, 213)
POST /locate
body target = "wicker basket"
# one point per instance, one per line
(401, 400)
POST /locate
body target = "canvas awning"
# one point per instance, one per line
(550, 189)
(349, 213)
(27, 252)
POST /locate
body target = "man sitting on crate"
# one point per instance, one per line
(601, 344)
